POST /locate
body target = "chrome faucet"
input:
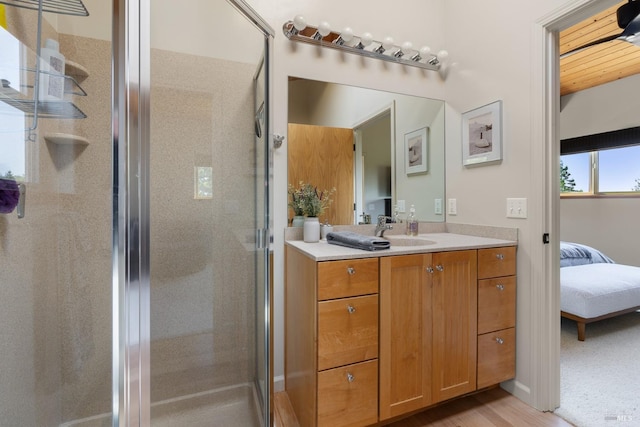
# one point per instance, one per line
(383, 225)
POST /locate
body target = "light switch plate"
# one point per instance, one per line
(437, 206)
(401, 206)
(517, 208)
(453, 207)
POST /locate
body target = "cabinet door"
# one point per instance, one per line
(405, 334)
(454, 306)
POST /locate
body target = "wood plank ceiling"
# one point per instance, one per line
(598, 64)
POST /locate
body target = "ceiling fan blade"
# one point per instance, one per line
(593, 43)
(631, 30)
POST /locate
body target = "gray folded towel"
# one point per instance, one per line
(357, 241)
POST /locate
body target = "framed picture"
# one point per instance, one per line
(415, 151)
(482, 135)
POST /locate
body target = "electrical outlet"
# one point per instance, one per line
(401, 206)
(453, 207)
(517, 208)
(437, 206)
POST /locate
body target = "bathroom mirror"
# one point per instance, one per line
(378, 149)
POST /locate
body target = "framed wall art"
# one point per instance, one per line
(415, 151)
(482, 135)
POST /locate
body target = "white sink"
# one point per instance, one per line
(400, 240)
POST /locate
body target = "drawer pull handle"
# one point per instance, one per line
(430, 269)
(500, 287)
(350, 377)
(351, 271)
(439, 267)
(500, 256)
(351, 309)
(499, 340)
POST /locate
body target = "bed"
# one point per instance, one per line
(593, 287)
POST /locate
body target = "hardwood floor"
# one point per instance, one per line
(494, 407)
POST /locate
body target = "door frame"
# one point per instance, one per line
(358, 169)
(544, 390)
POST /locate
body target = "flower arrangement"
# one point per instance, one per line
(307, 200)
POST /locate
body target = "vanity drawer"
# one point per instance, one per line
(347, 331)
(496, 357)
(348, 396)
(496, 304)
(339, 279)
(496, 262)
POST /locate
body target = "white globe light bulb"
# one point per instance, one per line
(366, 39)
(387, 43)
(299, 23)
(407, 46)
(425, 51)
(442, 55)
(347, 34)
(324, 28)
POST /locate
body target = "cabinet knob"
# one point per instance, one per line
(350, 377)
(430, 269)
(351, 309)
(500, 287)
(499, 340)
(500, 256)
(439, 267)
(351, 271)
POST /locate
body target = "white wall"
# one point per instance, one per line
(604, 223)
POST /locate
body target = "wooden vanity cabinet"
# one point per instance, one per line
(496, 315)
(370, 339)
(428, 332)
(331, 357)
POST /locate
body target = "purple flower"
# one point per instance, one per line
(9, 195)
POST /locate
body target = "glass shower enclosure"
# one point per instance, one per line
(134, 214)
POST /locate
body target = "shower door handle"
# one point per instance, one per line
(262, 238)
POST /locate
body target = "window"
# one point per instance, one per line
(601, 164)
(615, 170)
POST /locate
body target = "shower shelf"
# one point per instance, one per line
(76, 70)
(20, 99)
(64, 7)
(65, 139)
(46, 109)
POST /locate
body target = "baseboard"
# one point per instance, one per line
(519, 390)
(278, 383)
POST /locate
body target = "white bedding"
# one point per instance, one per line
(593, 290)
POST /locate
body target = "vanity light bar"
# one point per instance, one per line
(298, 30)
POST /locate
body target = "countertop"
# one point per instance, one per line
(438, 242)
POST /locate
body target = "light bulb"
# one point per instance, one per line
(366, 39)
(442, 55)
(299, 23)
(324, 28)
(425, 51)
(407, 46)
(387, 43)
(347, 34)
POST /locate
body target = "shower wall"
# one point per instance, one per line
(202, 249)
(55, 263)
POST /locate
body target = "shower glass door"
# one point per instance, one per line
(55, 229)
(207, 205)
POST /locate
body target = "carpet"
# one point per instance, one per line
(600, 377)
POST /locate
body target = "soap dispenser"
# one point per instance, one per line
(412, 222)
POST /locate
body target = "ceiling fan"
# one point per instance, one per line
(628, 19)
